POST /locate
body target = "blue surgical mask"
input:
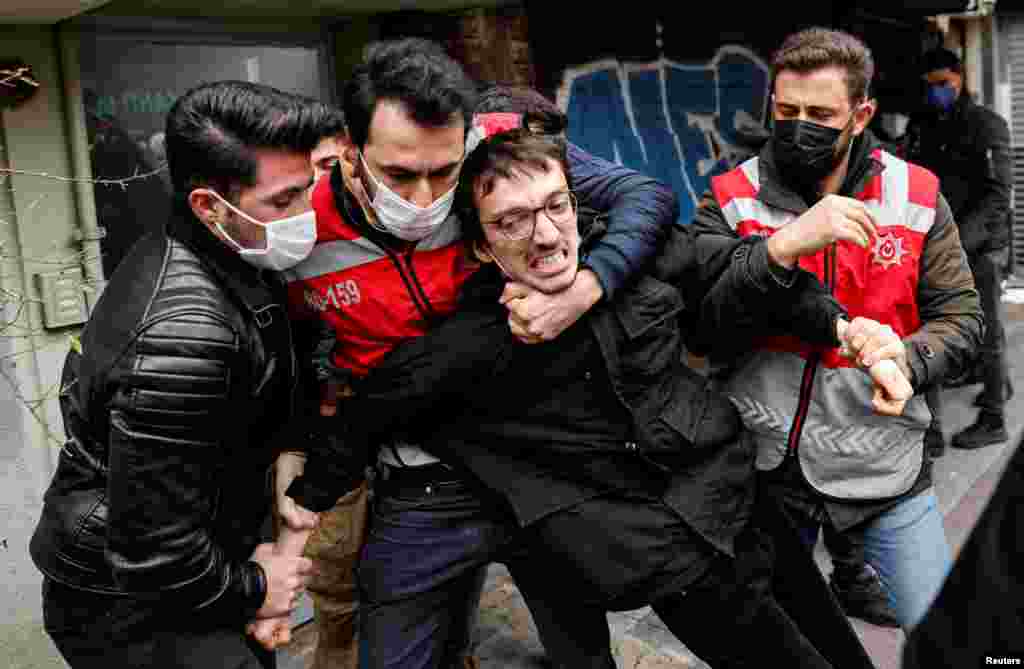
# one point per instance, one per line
(941, 97)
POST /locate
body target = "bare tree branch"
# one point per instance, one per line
(18, 320)
(123, 182)
(20, 74)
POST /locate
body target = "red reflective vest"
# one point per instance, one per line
(372, 297)
(823, 411)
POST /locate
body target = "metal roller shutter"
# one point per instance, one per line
(1015, 37)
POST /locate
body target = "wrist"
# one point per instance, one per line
(588, 288)
(779, 252)
(841, 325)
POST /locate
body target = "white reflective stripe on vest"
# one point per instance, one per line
(343, 254)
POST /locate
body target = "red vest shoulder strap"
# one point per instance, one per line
(330, 226)
(739, 182)
(924, 186)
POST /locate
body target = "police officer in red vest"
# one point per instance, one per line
(878, 233)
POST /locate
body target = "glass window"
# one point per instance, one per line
(128, 87)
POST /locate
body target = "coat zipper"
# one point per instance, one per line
(811, 367)
(419, 297)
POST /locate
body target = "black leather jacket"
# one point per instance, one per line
(171, 413)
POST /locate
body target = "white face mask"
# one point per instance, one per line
(404, 219)
(289, 240)
(894, 124)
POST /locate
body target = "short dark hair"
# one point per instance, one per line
(816, 48)
(940, 59)
(213, 128)
(328, 119)
(416, 72)
(502, 156)
(538, 111)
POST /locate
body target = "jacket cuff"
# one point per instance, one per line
(319, 495)
(252, 588)
(920, 357)
(765, 272)
(611, 268)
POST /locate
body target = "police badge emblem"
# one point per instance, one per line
(888, 251)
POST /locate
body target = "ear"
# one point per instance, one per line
(208, 209)
(349, 151)
(862, 117)
(482, 254)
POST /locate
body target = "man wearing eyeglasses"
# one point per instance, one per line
(598, 467)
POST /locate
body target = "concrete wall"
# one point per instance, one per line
(37, 222)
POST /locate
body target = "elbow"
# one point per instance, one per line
(176, 567)
(669, 202)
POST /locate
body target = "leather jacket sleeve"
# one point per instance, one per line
(169, 419)
(639, 211)
(951, 316)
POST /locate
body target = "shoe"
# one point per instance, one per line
(864, 597)
(980, 397)
(934, 443)
(988, 429)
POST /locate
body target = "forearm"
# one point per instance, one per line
(738, 292)
(752, 299)
(159, 541)
(948, 306)
(639, 212)
(336, 459)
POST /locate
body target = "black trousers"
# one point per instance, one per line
(94, 631)
(426, 543)
(988, 279)
(767, 607)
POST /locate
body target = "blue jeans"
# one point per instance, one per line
(422, 570)
(907, 546)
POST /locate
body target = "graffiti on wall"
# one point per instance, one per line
(673, 121)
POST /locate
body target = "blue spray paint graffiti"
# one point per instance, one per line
(672, 121)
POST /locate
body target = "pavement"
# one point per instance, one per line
(964, 480)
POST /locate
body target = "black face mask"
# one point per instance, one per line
(805, 152)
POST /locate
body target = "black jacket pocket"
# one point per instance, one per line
(700, 413)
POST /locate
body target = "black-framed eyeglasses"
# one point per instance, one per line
(520, 224)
